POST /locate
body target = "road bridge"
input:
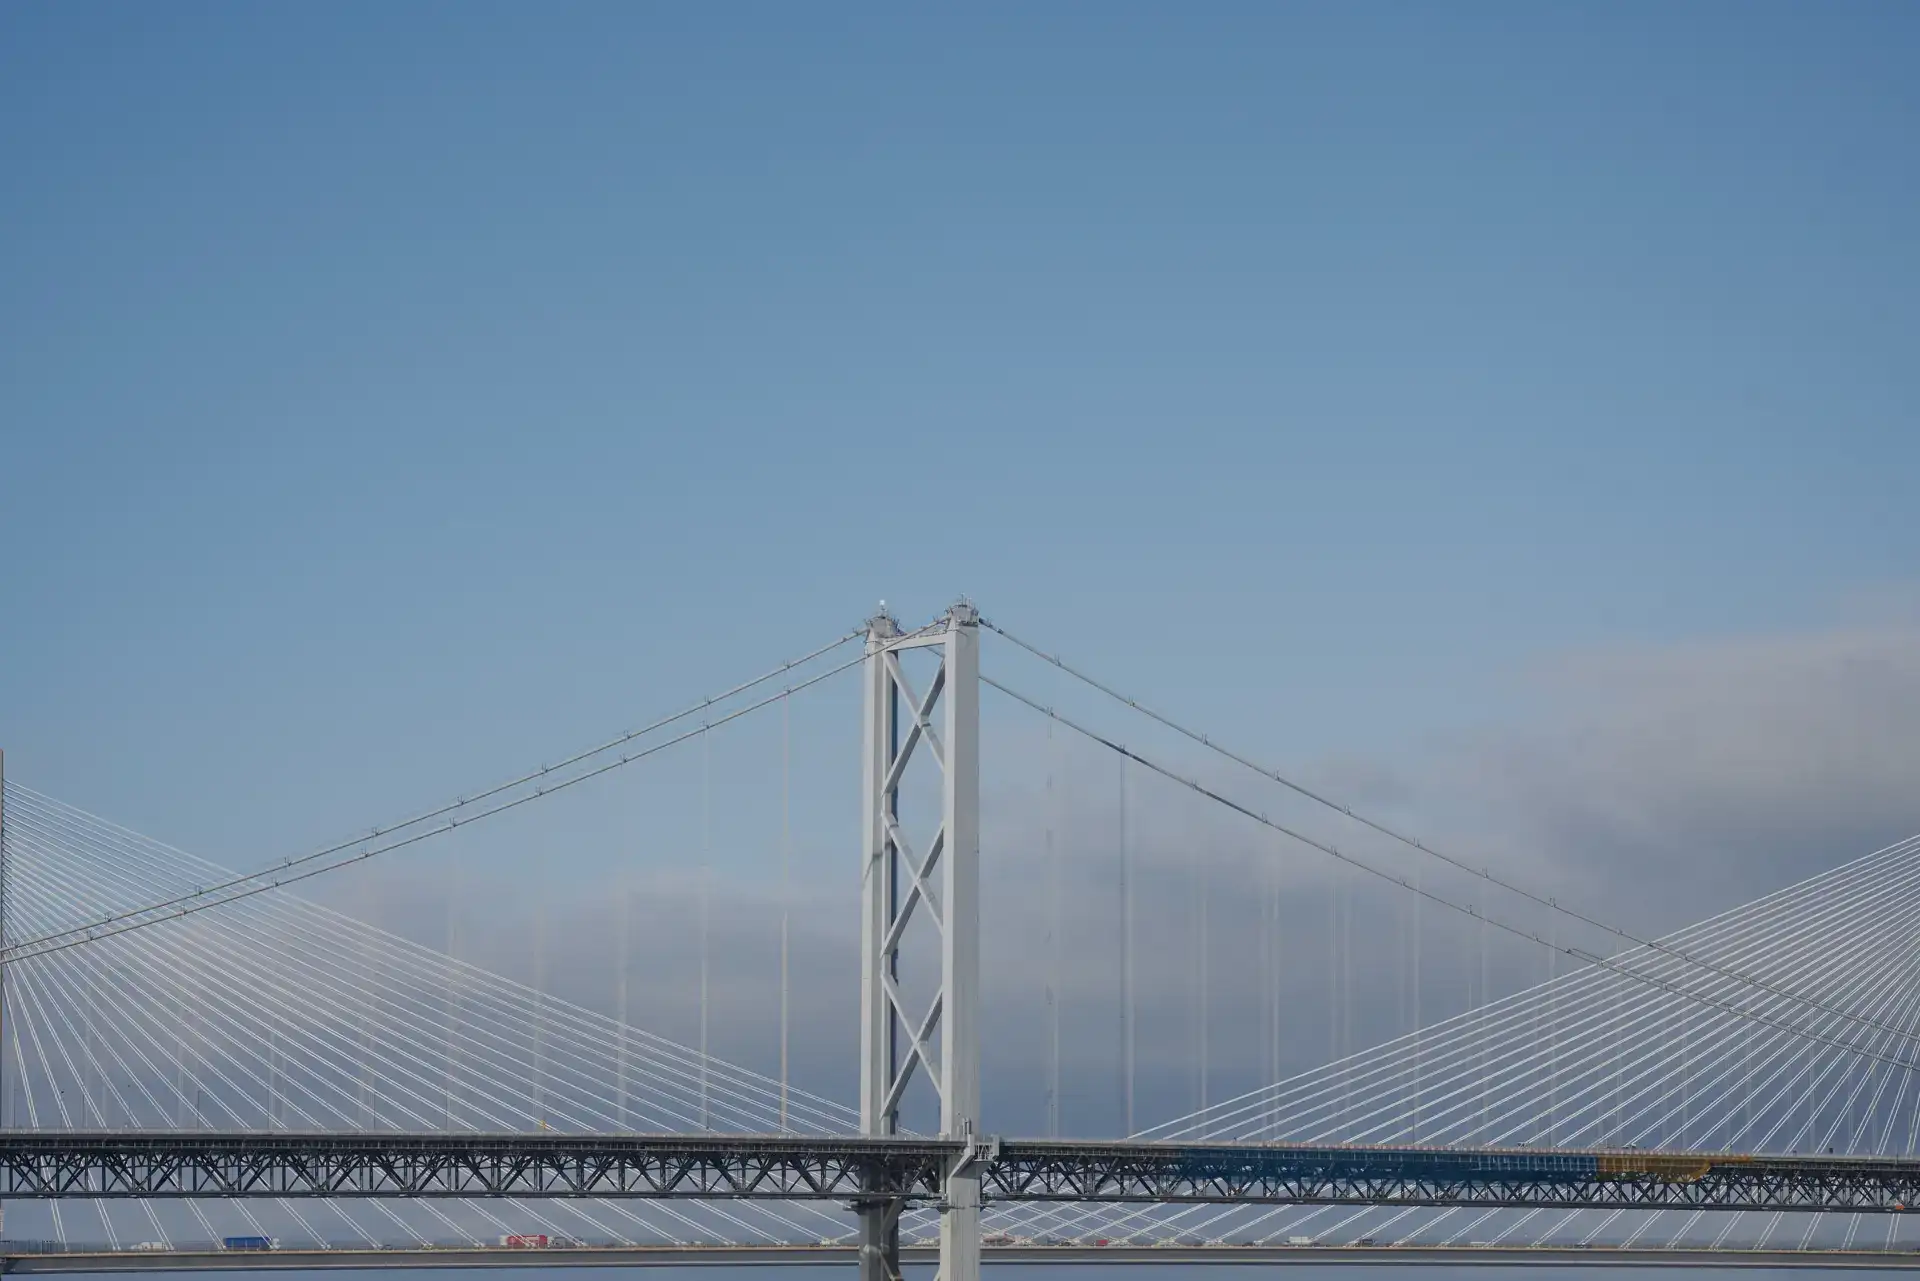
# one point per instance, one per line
(912, 1170)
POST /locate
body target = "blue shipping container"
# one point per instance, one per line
(247, 1243)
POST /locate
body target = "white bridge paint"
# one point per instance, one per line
(936, 888)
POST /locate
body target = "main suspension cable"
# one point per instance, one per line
(457, 803)
(250, 885)
(1482, 873)
(1521, 932)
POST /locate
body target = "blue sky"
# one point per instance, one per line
(394, 395)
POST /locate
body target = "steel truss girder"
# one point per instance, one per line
(122, 1165)
(1491, 1178)
(891, 1172)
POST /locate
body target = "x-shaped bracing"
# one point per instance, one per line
(919, 870)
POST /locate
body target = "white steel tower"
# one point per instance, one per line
(935, 888)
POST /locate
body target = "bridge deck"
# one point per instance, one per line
(137, 1163)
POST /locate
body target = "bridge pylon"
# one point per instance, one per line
(935, 888)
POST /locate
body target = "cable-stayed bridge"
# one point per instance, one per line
(194, 1056)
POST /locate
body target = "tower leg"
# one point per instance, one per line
(960, 1229)
(879, 891)
(960, 945)
(879, 1240)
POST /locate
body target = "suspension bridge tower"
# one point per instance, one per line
(936, 888)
